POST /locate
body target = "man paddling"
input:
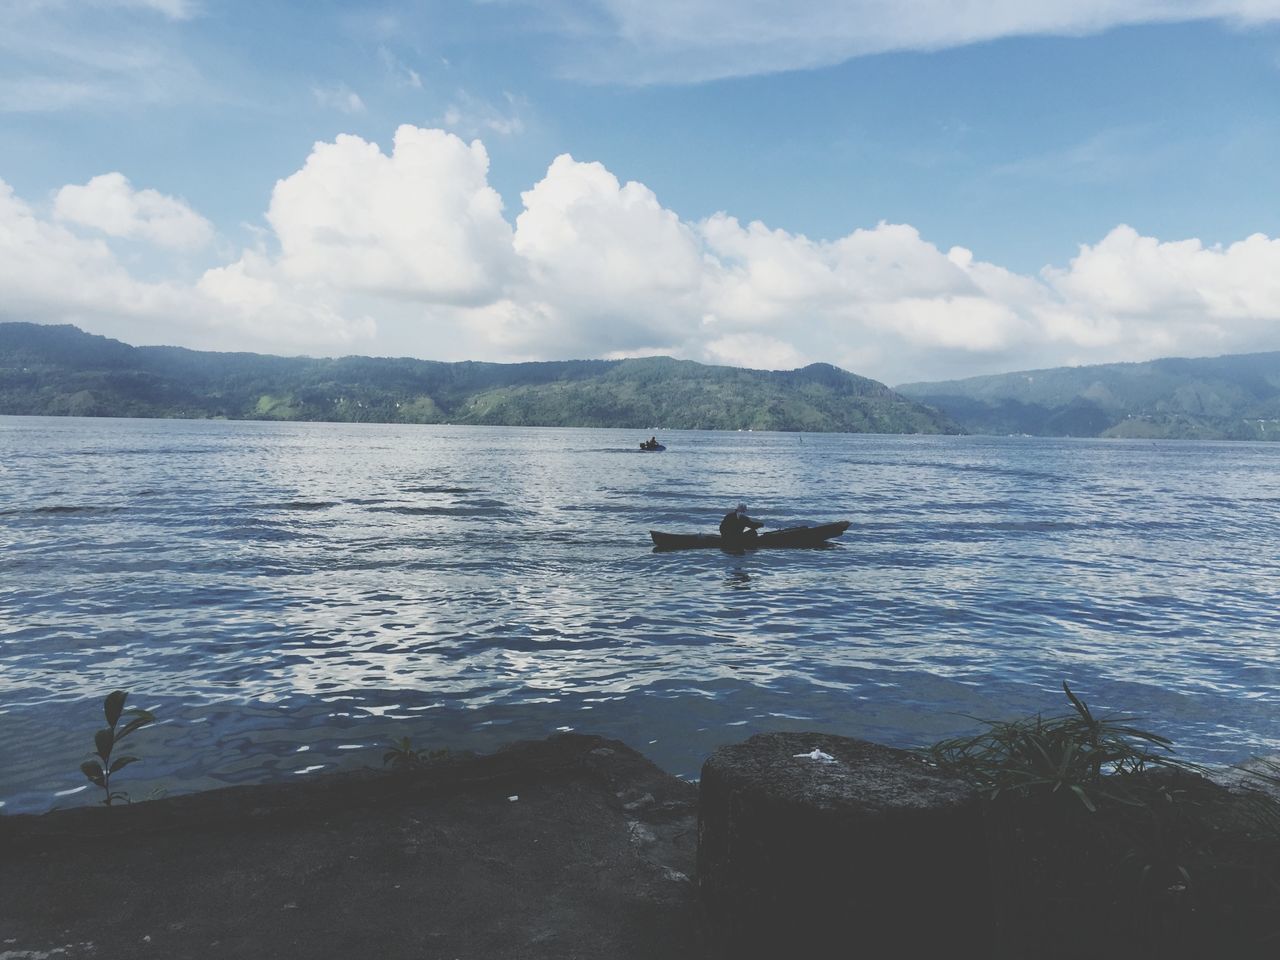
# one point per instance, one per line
(736, 525)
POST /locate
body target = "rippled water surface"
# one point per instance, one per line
(289, 597)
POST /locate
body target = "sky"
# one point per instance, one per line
(909, 189)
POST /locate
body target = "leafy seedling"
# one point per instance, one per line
(402, 755)
(102, 764)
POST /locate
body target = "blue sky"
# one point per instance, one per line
(912, 190)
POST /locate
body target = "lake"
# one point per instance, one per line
(290, 597)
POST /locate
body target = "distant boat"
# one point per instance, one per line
(788, 537)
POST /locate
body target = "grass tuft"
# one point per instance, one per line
(1098, 833)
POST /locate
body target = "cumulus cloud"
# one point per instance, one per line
(110, 204)
(420, 223)
(638, 41)
(409, 252)
(249, 292)
(606, 263)
(47, 272)
(1131, 294)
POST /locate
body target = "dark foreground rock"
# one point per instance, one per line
(857, 850)
(592, 861)
(1183, 869)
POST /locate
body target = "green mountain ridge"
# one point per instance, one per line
(1234, 397)
(63, 371)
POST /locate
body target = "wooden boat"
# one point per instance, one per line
(787, 537)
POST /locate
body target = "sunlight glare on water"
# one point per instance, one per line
(290, 597)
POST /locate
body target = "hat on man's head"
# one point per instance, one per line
(741, 508)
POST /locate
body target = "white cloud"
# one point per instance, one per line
(110, 204)
(596, 267)
(339, 97)
(883, 290)
(1138, 296)
(640, 41)
(249, 292)
(951, 323)
(42, 263)
(1130, 275)
(614, 268)
(754, 350)
(421, 223)
(408, 252)
(50, 274)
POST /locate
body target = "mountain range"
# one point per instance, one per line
(1218, 398)
(61, 370)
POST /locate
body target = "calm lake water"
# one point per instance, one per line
(289, 597)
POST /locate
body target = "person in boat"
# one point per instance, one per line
(650, 444)
(736, 525)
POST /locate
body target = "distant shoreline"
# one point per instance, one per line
(638, 430)
(62, 371)
(48, 370)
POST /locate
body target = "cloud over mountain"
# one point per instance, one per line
(410, 252)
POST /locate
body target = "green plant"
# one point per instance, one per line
(402, 755)
(1079, 753)
(1096, 834)
(102, 764)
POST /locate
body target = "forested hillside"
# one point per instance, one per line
(63, 371)
(1219, 398)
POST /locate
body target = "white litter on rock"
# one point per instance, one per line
(513, 798)
(816, 755)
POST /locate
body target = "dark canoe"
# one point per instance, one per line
(790, 537)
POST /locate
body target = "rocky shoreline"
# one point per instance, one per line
(794, 844)
(575, 846)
